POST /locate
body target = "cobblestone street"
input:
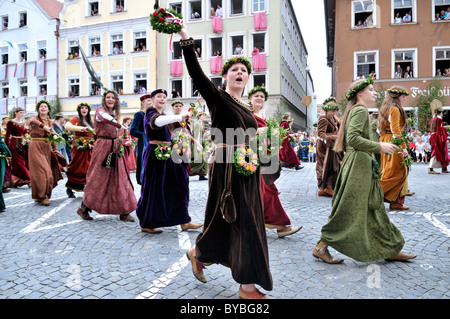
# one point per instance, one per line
(50, 253)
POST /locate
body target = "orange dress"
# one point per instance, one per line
(394, 172)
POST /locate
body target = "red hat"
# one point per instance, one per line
(146, 96)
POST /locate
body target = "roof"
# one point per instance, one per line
(50, 7)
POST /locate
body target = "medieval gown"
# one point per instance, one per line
(358, 225)
(108, 190)
(287, 153)
(19, 164)
(164, 199)
(4, 151)
(137, 130)
(81, 159)
(242, 244)
(438, 143)
(274, 213)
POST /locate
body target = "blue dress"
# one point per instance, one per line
(164, 199)
(137, 130)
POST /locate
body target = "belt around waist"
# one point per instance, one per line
(39, 138)
(154, 142)
(107, 138)
(17, 136)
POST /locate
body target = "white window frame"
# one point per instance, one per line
(4, 85)
(170, 86)
(41, 44)
(238, 15)
(120, 78)
(5, 18)
(189, 11)
(42, 81)
(115, 38)
(114, 4)
(73, 81)
(436, 48)
(98, 40)
(230, 51)
(258, 3)
(415, 61)
(413, 15)
(374, 14)
(4, 51)
(433, 8)
(22, 47)
(88, 8)
(355, 62)
(178, 2)
(138, 35)
(208, 8)
(209, 45)
(22, 83)
(266, 41)
(19, 15)
(266, 82)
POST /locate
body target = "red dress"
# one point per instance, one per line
(274, 213)
(287, 153)
(81, 159)
(19, 163)
(438, 143)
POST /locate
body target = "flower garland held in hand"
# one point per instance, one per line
(53, 137)
(245, 160)
(268, 142)
(352, 92)
(166, 21)
(180, 146)
(84, 143)
(399, 140)
(163, 151)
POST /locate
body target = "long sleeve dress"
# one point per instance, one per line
(358, 225)
(274, 213)
(327, 164)
(108, 190)
(439, 148)
(287, 153)
(242, 244)
(394, 172)
(19, 164)
(44, 169)
(81, 156)
(137, 130)
(164, 199)
(5, 153)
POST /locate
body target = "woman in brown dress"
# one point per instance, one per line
(42, 156)
(233, 233)
(328, 161)
(108, 190)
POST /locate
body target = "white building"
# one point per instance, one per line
(28, 49)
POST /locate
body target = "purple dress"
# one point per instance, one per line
(164, 199)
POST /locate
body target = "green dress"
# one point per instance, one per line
(359, 226)
(4, 151)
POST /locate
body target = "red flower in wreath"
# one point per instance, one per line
(162, 10)
(161, 20)
(155, 13)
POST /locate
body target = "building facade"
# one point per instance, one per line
(401, 42)
(28, 69)
(117, 39)
(265, 32)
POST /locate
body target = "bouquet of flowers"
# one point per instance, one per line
(7, 157)
(245, 160)
(268, 143)
(58, 139)
(26, 139)
(398, 140)
(180, 146)
(83, 143)
(193, 109)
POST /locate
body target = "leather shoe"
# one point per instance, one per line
(397, 206)
(197, 267)
(409, 193)
(401, 257)
(190, 225)
(251, 294)
(329, 191)
(323, 193)
(45, 201)
(83, 214)
(151, 230)
(431, 171)
(70, 193)
(321, 251)
(126, 218)
(288, 231)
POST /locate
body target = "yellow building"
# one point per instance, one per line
(120, 45)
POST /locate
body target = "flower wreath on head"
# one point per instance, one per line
(166, 21)
(177, 102)
(43, 101)
(83, 104)
(352, 92)
(398, 91)
(232, 61)
(110, 91)
(327, 106)
(258, 89)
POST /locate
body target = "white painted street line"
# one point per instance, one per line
(12, 197)
(438, 224)
(33, 202)
(163, 280)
